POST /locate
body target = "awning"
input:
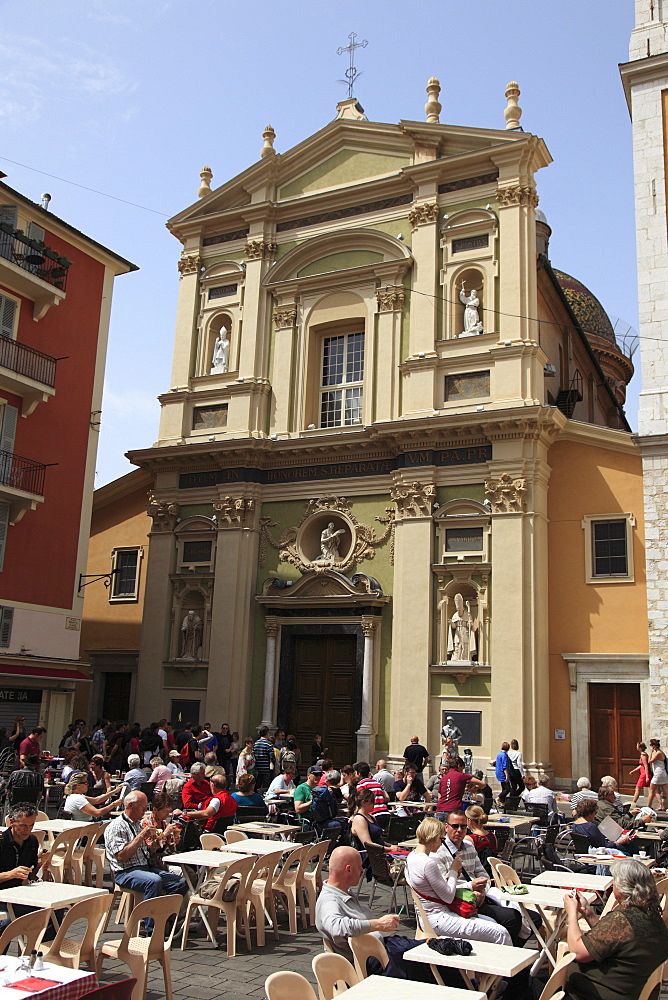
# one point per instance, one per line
(44, 673)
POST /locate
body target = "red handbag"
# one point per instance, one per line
(460, 905)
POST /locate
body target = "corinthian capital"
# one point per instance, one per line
(189, 263)
(423, 215)
(260, 250)
(165, 513)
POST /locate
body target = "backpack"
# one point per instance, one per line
(287, 757)
(324, 807)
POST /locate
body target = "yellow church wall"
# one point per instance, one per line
(603, 617)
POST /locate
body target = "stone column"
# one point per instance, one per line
(230, 656)
(412, 613)
(365, 732)
(418, 386)
(390, 314)
(150, 700)
(273, 626)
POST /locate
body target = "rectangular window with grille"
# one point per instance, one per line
(610, 553)
(6, 622)
(341, 389)
(125, 574)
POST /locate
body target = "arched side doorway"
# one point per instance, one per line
(321, 660)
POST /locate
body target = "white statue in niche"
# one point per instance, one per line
(329, 544)
(221, 353)
(472, 323)
(461, 636)
(191, 637)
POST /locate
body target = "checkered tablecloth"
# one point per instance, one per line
(76, 985)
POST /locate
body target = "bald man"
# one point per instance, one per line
(338, 913)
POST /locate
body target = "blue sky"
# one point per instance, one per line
(132, 97)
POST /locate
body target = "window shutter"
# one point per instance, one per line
(4, 525)
(6, 621)
(8, 311)
(35, 232)
(10, 418)
(8, 214)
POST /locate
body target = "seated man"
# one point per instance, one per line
(136, 775)
(211, 765)
(304, 792)
(386, 778)
(410, 788)
(607, 806)
(474, 876)
(364, 780)
(129, 858)
(541, 795)
(219, 810)
(340, 915)
(19, 858)
(197, 789)
(28, 777)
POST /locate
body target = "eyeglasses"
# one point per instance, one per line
(457, 826)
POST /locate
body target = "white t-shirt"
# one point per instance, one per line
(74, 804)
(163, 735)
(279, 784)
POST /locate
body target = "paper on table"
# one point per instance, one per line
(33, 985)
(610, 829)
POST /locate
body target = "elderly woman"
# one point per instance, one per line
(621, 950)
(164, 836)
(82, 808)
(585, 824)
(436, 889)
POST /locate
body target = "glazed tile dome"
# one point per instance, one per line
(589, 312)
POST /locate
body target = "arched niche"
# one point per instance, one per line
(469, 245)
(220, 289)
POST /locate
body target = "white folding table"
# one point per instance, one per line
(488, 963)
(385, 988)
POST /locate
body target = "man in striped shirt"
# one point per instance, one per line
(265, 758)
(363, 780)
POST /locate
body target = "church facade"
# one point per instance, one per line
(393, 479)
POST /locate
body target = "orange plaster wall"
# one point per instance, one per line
(589, 618)
(114, 625)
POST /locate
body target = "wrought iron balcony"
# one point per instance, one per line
(27, 361)
(21, 474)
(33, 256)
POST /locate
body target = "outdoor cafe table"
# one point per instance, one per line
(252, 846)
(261, 829)
(58, 825)
(381, 988)
(47, 895)
(609, 859)
(201, 860)
(545, 898)
(71, 983)
(512, 822)
(488, 963)
(572, 880)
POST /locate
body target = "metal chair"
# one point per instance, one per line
(148, 788)
(381, 875)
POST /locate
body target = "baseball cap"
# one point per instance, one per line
(314, 770)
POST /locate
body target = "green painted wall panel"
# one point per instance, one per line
(340, 261)
(345, 167)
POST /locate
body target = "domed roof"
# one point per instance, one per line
(589, 312)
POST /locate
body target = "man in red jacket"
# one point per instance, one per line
(197, 790)
(219, 809)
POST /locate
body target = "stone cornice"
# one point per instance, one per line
(642, 71)
(378, 442)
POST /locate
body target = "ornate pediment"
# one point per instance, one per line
(326, 587)
(328, 537)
